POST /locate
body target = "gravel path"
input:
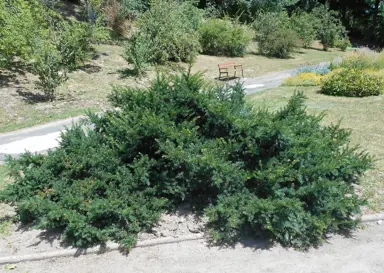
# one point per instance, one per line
(363, 253)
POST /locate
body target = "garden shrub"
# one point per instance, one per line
(170, 29)
(281, 174)
(224, 37)
(363, 59)
(352, 83)
(320, 69)
(273, 34)
(304, 79)
(329, 28)
(74, 43)
(48, 67)
(303, 24)
(43, 41)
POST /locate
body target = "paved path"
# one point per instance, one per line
(43, 137)
(363, 252)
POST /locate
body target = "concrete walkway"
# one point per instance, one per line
(43, 137)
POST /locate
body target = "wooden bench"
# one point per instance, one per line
(223, 69)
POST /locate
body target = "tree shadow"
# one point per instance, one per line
(8, 76)
(31, 97)
(127, 73)
(90, 68)
(227, 79)
(34, 97)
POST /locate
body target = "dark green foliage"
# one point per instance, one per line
(352, 83)
(329, 28)
(279, 174)
(224, 37)
(303, 24)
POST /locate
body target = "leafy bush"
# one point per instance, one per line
(303, 24)
(304, 79)
(328, 26)
(273, 34)
(48, 66)
(224, 37)
(42, 39)
(170, 29)
(281, 174)
(343, 43)
(20, 24)
(74, 43)
(320, 69)
(363, 59)
(352, 83)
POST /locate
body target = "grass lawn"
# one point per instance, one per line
(87, 88)
(364, 116)
(256, 65)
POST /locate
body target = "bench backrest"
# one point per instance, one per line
(227, 64)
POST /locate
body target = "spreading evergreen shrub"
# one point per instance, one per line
(224, 37)
(279, 174)
(352, 83)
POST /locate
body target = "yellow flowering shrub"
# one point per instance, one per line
(304, 79)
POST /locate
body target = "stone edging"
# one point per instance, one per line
(94, 250)
(114, 246)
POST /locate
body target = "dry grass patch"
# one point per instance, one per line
(88, 88)
(364, 116)
(21, 104)
(256, 65)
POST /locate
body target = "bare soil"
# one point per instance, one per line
(361, 253)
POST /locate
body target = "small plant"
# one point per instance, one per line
(304, 79)
(224, 37)
(317, 69)
(138, 52)
(352, 83)
(274, 36)
(343, 43)
(48, 67)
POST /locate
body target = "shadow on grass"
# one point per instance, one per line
(9, 76)
(34, 98)
(90, 69)
(127, 73)
(227, 79)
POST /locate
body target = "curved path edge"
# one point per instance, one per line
(110, 246)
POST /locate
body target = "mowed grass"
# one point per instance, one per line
(88, 87)
(255, 65)
(363, 116)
